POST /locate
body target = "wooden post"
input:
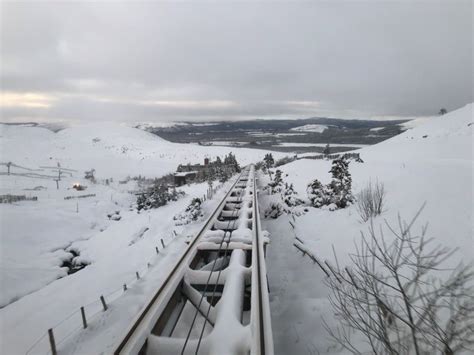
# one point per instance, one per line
(124, 287)
(51, 342)
(102, 299)
(84, 320)
(138, 275)
(157, 250)
(148, 265)
(163, 243)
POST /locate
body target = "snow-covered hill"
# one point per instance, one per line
(432, 163)
(113, 150)
(37, 236)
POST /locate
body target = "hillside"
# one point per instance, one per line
(430, 163)
(41, 239)
(113, 150)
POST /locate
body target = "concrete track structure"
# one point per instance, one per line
(215, 300)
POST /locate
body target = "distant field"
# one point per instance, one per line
(297, 136)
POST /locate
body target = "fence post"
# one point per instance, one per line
(163, 243)
(148, 265)
(125, 287)
(102, 299)
(157, 250)
(51, 342)
(138, 275)
(84, 320)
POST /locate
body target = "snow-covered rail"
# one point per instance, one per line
(215, 301)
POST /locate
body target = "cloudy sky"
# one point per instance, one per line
(160, 61)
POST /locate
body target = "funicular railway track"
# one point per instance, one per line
(215, 300)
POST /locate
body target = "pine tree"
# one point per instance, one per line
(290, 197)
(341, 184)
(319, 194)
(269, 161)
(277, 183)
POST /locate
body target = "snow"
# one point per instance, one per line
(37, 236)
(415, 122)
(316, 128)
(430, 163)
(113, 150)
(376, 129)
(290, 144)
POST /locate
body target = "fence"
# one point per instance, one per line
(15, 198)
(80, 196)
(81, 318)
(332, 156)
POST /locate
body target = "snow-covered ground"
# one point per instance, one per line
(37, 236)
(316, 128)
(112, 150)
(430, 163)
(375, 129)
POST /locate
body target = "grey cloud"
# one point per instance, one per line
(373, 58)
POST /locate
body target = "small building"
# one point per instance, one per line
(78, 187)
(184, 177)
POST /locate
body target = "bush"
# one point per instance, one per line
(370, 201)
(394, 298)
(268, 160)
(274, 211)
(290, 197)
(338, 193)
(283, 161)
(276, 184)
(341, 183)
(156, 196)
(319, 195)
(191, 213)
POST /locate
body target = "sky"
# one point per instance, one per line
(158, 61)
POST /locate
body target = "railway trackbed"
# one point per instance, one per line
(215, 300)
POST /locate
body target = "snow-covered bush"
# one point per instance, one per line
(338, 192)
(370, 201)
(268, 160)
(114, 216)
(319, 195)
(341, 184)
(283, 161)
(156, 196)
(290, 197)
(393, 297)
(274, 210)
(285, 199)
(192, 213)
(276, 184)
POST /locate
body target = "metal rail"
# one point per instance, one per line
(237, 321)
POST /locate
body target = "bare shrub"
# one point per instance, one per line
(399, 299)
(370, 201)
